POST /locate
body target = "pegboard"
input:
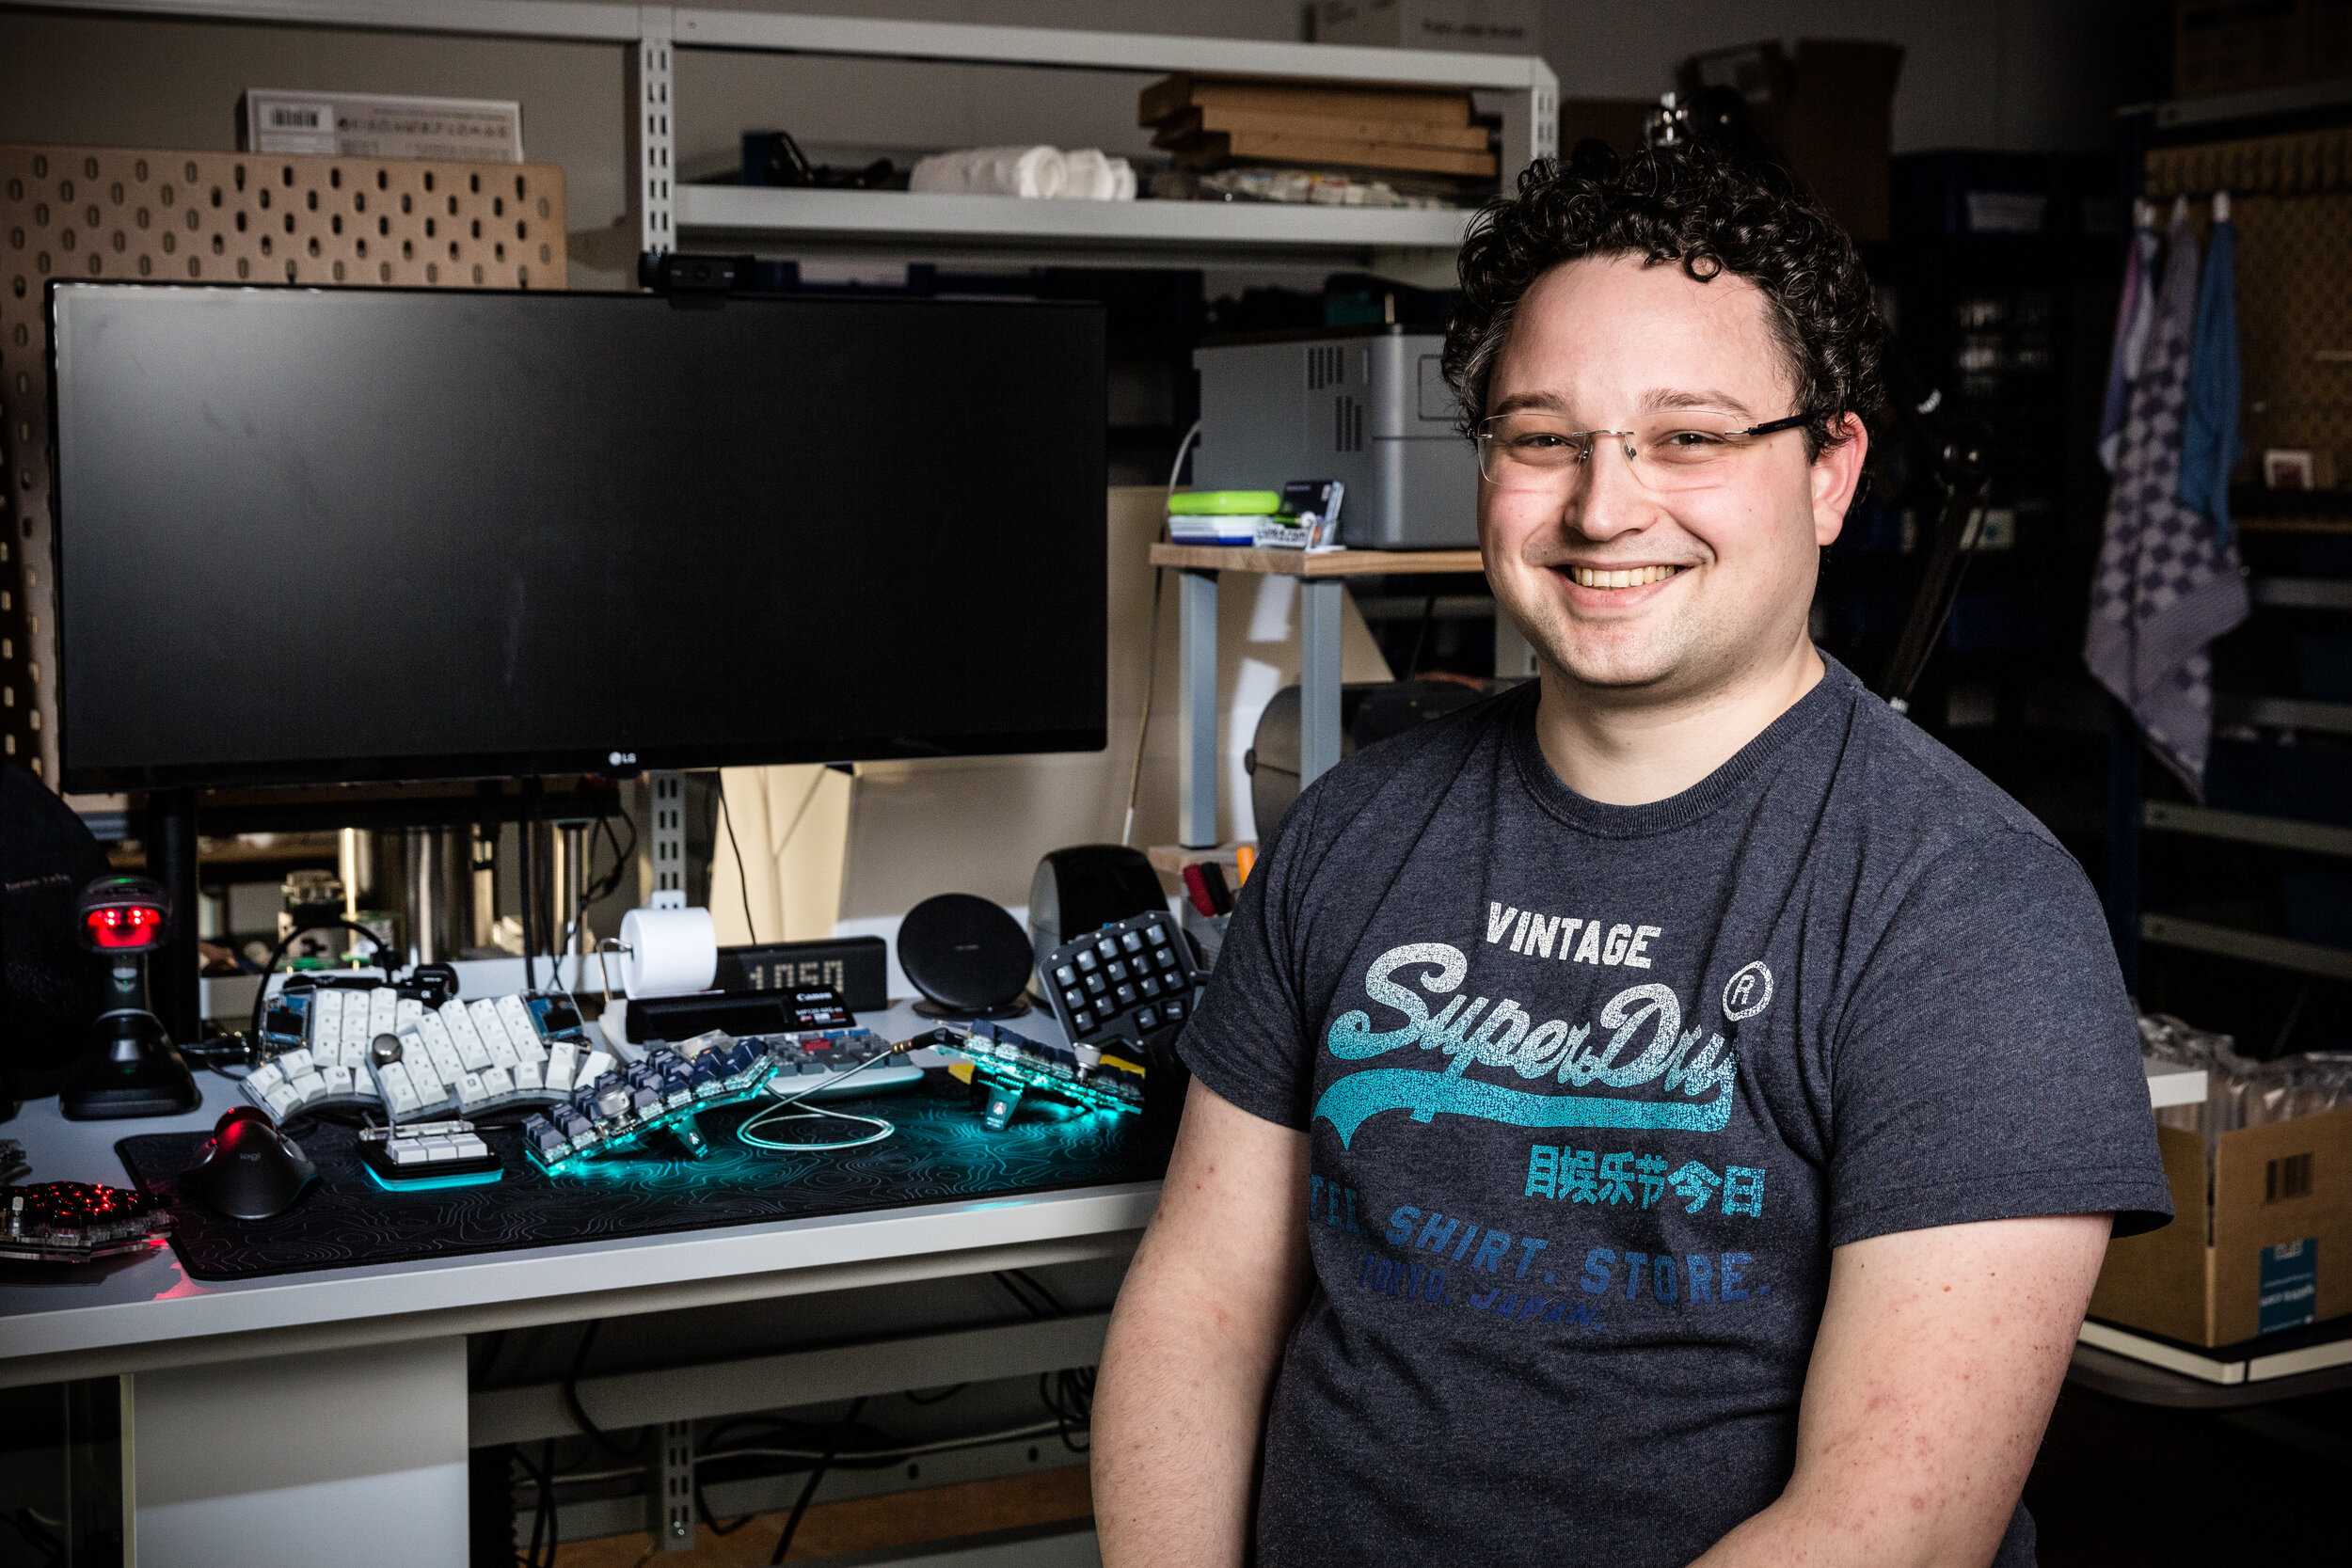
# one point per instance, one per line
(213, 217)
(2291, 197)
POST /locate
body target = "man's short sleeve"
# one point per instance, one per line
(1987, 1064)
(1247, 1038)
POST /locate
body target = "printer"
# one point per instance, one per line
(1367, 405)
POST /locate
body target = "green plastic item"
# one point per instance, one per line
(1225, 503)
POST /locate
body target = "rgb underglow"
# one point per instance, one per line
(431, 1183)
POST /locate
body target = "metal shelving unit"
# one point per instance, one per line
(1175, 233)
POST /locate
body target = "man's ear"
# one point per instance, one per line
(1836, 476)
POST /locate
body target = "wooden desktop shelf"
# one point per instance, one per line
(1315, 563)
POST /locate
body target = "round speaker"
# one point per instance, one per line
(966, 956)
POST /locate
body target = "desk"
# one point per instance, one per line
(1319, 573)
(326, 1414)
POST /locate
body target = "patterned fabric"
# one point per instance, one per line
(2210, 447)
(2132, 320)
(2166, 586)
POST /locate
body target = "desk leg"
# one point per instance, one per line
(1318, 679)
(1196, 705)
(355, 1458)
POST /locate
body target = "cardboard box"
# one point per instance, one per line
(1830, 109)
(1480, 26)
(2271, 1250)
(374, 125)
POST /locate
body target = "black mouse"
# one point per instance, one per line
(248, 1170)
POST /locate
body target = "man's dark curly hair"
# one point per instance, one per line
(1692, 205)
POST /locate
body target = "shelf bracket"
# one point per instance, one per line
(651, 142)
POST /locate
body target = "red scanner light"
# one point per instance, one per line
(122, 927)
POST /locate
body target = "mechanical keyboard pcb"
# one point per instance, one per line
(75, 1222)
(665, 1091)
(1015, 1063)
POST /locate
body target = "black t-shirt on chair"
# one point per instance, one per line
(1593, 1090)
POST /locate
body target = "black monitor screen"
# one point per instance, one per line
(309, 535)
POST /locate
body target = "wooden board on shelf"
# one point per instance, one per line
(1317, 563)
(1357, 128)
(1210, 148)
(1173, 95)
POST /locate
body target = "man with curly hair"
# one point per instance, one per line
(1673, 1111)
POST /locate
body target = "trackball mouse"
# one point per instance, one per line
(249, 1170)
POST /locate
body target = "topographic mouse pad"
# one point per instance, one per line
(939, 1154)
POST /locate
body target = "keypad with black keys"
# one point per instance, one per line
(1129, 980)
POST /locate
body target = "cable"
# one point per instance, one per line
(793, 1526)
(748, 1134)
(580, 1414)
(1428, 614)
(742, 879)
(940, 1398)
(1151, 646)
(261, 992)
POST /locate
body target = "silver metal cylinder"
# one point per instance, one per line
(482, 847)
(570, 880)
(439, 886)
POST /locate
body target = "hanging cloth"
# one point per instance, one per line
(2210, 445)
(2165, 586)
(2132, 319)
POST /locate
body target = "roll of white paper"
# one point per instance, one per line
(670, 952)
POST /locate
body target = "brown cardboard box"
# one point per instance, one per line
(2199, 1279)
(2235, 45)
(1829, 107)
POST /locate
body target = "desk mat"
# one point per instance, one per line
(941, 1154)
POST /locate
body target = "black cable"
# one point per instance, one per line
(742, 882)
(610, 882)
(571, 1400)
(815, 1477)
(1428, 616)
(37, 1535)
(542, 1510)
(260, 990)
(941, 1398)
(1028, 1305)
(1031, 1280)
(489, 1359)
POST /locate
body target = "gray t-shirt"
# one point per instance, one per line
(1593, 1090)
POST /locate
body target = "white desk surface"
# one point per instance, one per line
(61, 1320)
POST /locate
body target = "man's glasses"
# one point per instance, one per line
(1540, 453)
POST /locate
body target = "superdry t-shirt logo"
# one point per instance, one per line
(1640, 1041)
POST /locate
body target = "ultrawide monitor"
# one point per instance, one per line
(309, 535)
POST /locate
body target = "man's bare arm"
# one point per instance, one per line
(1195, 1340)
(1939, 1357)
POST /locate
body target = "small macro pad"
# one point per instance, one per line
(1133, 979)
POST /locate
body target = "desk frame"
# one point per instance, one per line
(1319, 575)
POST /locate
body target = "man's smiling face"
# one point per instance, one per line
(1620, 584)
